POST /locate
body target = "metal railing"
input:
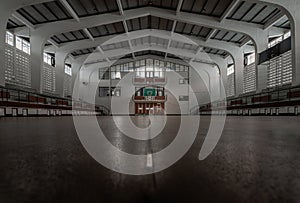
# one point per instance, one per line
(283, 96)
(9, 96)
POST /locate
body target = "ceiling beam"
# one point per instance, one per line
(51, 41)
(165, 35)
(119, 3)
(88, 33)
(179, 5)
(172, 32)
(125, 26)
(200, 49)
(99, 48)
(245, 41)
(252, 30)
(229, 9)
(210, 34)
(70, 10)
(23, 20)
(274, 20)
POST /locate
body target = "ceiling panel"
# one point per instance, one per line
(119, 45)
(168, 4)
(228, 36)
(44, 12)
(69, 37)
(254, 13)
(109, 29)
(184, 46)
(149, 22)
(214, 8)
(193, 30)
(83, 51)
(214, 51)
(283, 23)
(93, 7)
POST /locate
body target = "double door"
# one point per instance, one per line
(149, 108)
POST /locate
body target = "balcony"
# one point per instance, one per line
(149, 99)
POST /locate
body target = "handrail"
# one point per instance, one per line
(288, 95)
(13, 96)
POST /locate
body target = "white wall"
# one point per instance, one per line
(204, 87)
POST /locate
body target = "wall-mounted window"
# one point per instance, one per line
(280, 70)
(115, 72)
(114, 91)
(230, 70)
(250, 58)
(103, 74)
(68, 69)
(22, 45)
(145, 68)
(249, 80)
(48, 59)
(9, 38)
(230, 89)
(279, 39)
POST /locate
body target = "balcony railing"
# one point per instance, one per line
(21, 98)
(149, 99)
(283, 97)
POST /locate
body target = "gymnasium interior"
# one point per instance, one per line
(149, 101)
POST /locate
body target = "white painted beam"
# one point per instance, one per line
(88, 33)
(210, 34)
(23, 20)
(179, 6)
(125, 26)
(119, 3)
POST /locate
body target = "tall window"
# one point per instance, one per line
(9, 38)
(279, 39)
(249, 80)
(144, 68)
(48, 59)
(23, 45)
(68, 69)
(48, 74)
(230, 90)
(17, 61)
(280, 70)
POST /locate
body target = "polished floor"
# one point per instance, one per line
(256, 160)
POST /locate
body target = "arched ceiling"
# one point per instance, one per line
(233, 10)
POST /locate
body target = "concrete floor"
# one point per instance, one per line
(256, 160)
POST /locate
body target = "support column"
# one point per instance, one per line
(76, 65)
(60, 58)
(37, 58)
(222, 65)
(238, 58)
(296, 43)
(261, 70)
